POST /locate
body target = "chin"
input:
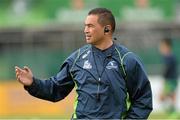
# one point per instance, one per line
(88, 41)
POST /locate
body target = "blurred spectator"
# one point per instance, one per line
(170, 75)
(19, 7)
(78, 4)
(142, 3)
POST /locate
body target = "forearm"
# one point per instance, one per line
(42, 89)
(51, 89)
(139, 111)
(141, 105)
(139, 90)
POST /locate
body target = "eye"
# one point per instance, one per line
(89, 25)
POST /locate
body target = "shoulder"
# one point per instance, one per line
(129, 58)
(122, 49)
(173, 59)
(125, 53)
(77, 53)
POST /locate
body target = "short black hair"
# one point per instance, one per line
(167, 41)
(105, 17)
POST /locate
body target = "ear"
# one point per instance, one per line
(107, 29)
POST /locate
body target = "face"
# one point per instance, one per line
(94, 32)
(163, 48)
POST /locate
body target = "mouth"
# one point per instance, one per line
(88, 37)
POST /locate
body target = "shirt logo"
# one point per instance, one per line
(85, 55)
(112, 65)
(87, 65)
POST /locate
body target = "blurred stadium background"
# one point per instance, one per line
(42, 33)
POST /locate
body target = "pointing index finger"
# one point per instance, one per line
(18, 68)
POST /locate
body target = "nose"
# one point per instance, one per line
(86, 29)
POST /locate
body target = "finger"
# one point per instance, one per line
(18, 72)
(18, 68)
(18, 78)
(26, 68)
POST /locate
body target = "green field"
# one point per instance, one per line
(151, 117)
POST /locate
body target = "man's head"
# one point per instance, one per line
(165, 46)
(105, 17)
(99, 24)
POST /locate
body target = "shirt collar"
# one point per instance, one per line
(107, 52)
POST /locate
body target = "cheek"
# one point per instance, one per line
(98, 33)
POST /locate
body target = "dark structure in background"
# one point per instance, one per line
(31, 32)
(35, 46)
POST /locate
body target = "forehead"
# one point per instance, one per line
(163, 44)
(91, 19)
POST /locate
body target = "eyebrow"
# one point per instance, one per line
(88, 24)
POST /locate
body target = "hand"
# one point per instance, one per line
(24, 76)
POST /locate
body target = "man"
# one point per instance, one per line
(170, 74)
(104, 74)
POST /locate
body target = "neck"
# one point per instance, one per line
(106, 43)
